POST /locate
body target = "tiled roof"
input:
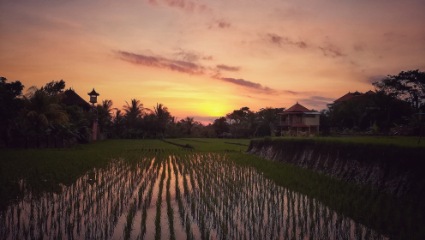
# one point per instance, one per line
(348, 96)
(70, 97)
(297, 108)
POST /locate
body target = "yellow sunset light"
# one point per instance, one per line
(213, 109)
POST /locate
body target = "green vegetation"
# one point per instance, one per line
(51, 116)
(387, 214)
(45, 170)
(401, 141)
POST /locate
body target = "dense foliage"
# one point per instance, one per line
(396, 106)
(44, 118)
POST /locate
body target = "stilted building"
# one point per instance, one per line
(299, 121)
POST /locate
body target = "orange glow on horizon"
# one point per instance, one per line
(211, 61)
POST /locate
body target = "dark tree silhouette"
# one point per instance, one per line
(162, 117)
(44, 113)
(10, 106)
(408, 86)
(221, 126)
(104, 111)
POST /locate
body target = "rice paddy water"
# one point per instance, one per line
(175, 196)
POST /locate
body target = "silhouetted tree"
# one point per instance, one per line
(373, 112)
(408, 86)
(242, 122)
(53, 88)
(267, 121)
(10, 106)
(118, 124)
(187, 125)
(44, 113)
(104, 116)
(134, 112)
(220, 126)
(79, 123)
(162, 117)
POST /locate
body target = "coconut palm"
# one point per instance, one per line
(44, 113)
(162, 116)
(187, 125)
(118, 122)
(134, 111)
(104, 115)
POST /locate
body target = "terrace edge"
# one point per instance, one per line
(391, 169)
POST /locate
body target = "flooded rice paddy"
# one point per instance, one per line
(188, 196)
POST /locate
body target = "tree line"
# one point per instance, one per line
(41, 117)
(397, 106)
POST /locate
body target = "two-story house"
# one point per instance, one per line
(299, 121)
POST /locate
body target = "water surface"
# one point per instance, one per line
(190, 196)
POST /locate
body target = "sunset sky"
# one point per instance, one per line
(206, 58)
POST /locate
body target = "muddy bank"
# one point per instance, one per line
(392, 169)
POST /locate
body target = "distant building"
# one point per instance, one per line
(350, 97)
(299, 121)
(70, 98)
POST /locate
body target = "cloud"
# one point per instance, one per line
(205, 120)
(228, 68)
(185, 5)
(223, 24)
(317, 102)
(328, 49)
(249, 84)
(161, 62)
(190, 67)
(279, 40)
(220, 23)
(374, 78)
(359, 47)
(192, 56)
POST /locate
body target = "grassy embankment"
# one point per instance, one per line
(401, 218)
(369, 140)
(46, 169)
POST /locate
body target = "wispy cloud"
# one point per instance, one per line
(228, 68)
(223, 24)
(374, 78)
(282, 40)
(328, 49)
(193, 68)
(220, 23)
(331, 50)
(249, 84)
(191, 56)
(317, 102)
(185, 5)
(161, 62)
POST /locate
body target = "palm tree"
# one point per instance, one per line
(162, 116)
(104, 115)
(44, 113)
(118, 123)
(188, 124)
(134, 111)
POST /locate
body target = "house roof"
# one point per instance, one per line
(348, 96)
(297, 108)
(70, 97)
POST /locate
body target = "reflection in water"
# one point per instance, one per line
(195, 196)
